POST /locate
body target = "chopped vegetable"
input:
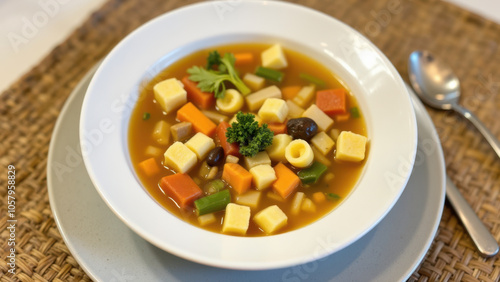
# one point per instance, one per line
(161, 132)
(181, 130)
(213, 203)
(319, 197)
(276, 151)
(230, 148)
(232, 159)
(206, 219)
(179, 158)
(355, 112)
(214, 186)
(271, 219)
(350, 147)
(181, 188)
(323, 121)
(243, 58)
(323, 142)
(238, 177)
(236, 219)
(313, 173)
(215, 116)
(287, 181)
(250, 199)
(201, 99)
(213, 81)
(342, 118)
(255, 100)
(305, 95)
(200, 122)
(274, 57)
(332, 101)
(259, 159)
(289, 92)
(253, 81)
(297, 202)
(170, 94)
(277, 128)
(263, 176)
(308, 205)
(150, 167)
(312, 79)
(273, 110)
(200, 144)
(251, 137)
(269, 74)
(146, 116)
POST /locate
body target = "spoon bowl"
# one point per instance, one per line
(437, 85)
(434, 82)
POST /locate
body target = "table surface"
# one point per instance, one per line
(30, 106)
(28, 35)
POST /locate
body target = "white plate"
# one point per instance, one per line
(379, 89)
(109, 251)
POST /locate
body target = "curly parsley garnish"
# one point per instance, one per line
(251, 137)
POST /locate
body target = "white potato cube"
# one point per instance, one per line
(305, 95)
(263, 176)
(273, 110)
(250, 198)
(180, 158)
(259, 159)
(200, 144)
(274, 57)
(161, 132)
(350, 147)
(232, 159)
(206, 219)
(322, 142)
(308, 205)
(294, 110)
(322, 120)
(236, 219)
(170, 94)
(276, 151)
(271, 219)
(253, 81)
(256, 99)
(275, 197)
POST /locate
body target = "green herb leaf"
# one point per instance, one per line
(251, 137)
(212, 81)
(355, 112)
(146, 116)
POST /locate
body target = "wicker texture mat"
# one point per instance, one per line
(469, 43)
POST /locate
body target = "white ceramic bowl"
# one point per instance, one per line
(378, 87)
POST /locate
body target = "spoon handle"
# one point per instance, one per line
(485, 243)
(495, 144)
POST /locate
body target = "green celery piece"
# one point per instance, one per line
(312, 173)
(270, 74)
(312, 79)
(213, 203)
(355, 112)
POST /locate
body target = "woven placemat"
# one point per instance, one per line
(469, 43)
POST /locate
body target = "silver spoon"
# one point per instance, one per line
(437, 86)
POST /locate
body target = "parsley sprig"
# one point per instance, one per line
(211, 80)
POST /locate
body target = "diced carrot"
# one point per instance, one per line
(344, 117)
(201, 123)
(287, 181)
(277, 128)
(201, 99)
(319, 197)
(181, 188)
(229, 148)
(331, 101)
(150, 167)
(243, 59)
(289, 92)
(237, 177)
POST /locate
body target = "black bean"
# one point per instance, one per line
(215, 156)
(302, 128)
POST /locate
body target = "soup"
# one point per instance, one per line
(247, 139)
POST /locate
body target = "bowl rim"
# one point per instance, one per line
(104, 125)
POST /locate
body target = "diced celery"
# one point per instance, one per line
(213, 203)
(312, 79)
(270, 74)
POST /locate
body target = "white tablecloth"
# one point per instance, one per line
(29, 29)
